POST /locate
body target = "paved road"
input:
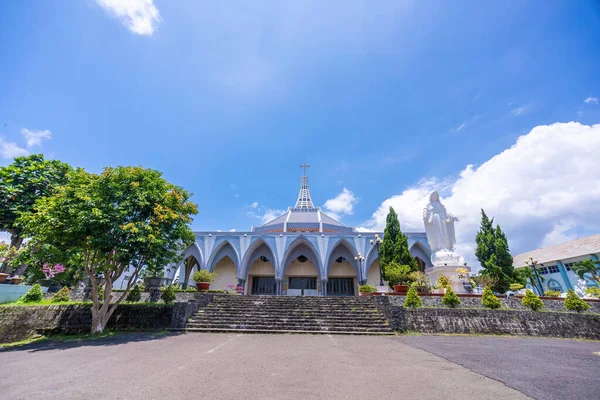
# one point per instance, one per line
(549, 369)
(226, 366)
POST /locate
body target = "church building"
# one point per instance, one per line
(303, 252)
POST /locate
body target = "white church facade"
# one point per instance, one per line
(302, 252)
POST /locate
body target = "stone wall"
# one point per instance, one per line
(502, 322)
(550, 304)
(20, 322)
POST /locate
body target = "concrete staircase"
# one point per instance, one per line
(282, 314)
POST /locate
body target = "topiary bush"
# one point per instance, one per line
(450, 298)
(135, 295)
(34, 295)
(552, 293)
(532, 301)
(412, 298)
(573, 302)
(489, 300)
(367, 289)
(61, 296)
(168, 295)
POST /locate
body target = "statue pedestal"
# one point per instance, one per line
(449, 271)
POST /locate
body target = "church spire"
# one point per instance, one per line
(304, 200)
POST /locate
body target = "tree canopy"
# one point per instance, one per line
(394, 248)
(123, 217)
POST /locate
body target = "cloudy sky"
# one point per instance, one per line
(496, 105)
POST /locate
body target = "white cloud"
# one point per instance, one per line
(270, 215)
(139, 16)
(466, 123)
(342, 204)
(254, 205)
(10, 150)
(591, 100)
(521, 110)
(34, 138)
(543, 189)
(233, 230)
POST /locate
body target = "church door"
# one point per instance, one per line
(340, 287)
(264, 286)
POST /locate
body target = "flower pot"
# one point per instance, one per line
(421, 289)
(16, 281)
(400, 288)
(202, 286)
(3, 276)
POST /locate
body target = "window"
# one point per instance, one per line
(554, 285)
(568, 266)
(552, 269)
(543, 270)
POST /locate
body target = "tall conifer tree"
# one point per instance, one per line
(395, 245)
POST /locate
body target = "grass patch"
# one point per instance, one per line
(79, 303)
(33, 339)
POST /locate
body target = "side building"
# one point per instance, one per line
(555, 262)
(302, 252)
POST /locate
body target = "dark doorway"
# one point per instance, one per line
(264, 286)
(303, 283)
(340, 287)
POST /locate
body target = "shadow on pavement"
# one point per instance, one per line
(117, 339)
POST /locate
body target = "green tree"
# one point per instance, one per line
(573, 302)
(587, 267)
(61, 296)
(135, 295)
(489, 299)
(395, 246)
(33, 295)
(412, 298)
(494, 255)
(533, 275)
(123, 217)
(450, 298)
(21, 184)
(532, 301)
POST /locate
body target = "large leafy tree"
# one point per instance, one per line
(394, 248)
(494, 255)
(123, 217)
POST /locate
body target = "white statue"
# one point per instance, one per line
(439, 226)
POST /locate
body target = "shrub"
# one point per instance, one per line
(168, 295)
(489, 300)
(552, 293)
(34, 294)
(419, 278)
(442, 281)
(367, 289)
(62, 295)
(515, 286)
(396, 273)
(135, 295)
(412, 298)
(204, 276)
(593, 291)
(450, 298)
(573, 302)
(532, 301)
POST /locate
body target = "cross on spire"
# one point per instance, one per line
(305, 166)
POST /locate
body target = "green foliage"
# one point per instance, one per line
(419, 278)
(33, 295)
(494, 255)
(394, 248)
(62, 295)
(135, 294)
(367, 289)
(22, 183)
(593, 291)
(532, 301)
(397, 274)
(123, 217)
(489, 299)
(515, 286)
(412, 298)
(450, 298)
(532, 275)
(443, 281)
(100, 293)
(552, 293)
(204, 276)
(573, 302)
(591, 267)
(168, 295)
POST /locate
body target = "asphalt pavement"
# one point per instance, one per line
(232, 366)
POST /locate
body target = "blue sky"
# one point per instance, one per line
(228, 99)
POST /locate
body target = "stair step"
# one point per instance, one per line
(318, 332)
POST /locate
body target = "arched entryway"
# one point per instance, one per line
(301, 275)
(224, 263)
(374, 273)
(342, 271)
(190, 265)
(260, 275)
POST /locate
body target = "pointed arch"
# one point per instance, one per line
(224, 249)
(420, 251)
(259, 248)
(342, 248)
(300, 246)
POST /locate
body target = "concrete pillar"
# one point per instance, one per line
(563, 274)
(324, 286)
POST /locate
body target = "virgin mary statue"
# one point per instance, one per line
(439, 225)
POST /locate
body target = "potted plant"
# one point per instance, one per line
(420, 281)
(203, 279)
(3, 276)
(365, 290)
(398, 277)
(16, 279)
(442, 282)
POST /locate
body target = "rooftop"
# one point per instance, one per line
(562, 251)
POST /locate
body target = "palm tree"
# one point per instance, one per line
(533, 275)
(587, 267)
